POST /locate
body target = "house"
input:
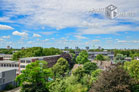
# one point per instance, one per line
(7, 76)
(10, 64)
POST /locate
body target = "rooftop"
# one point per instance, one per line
(8, 61)
(6, 69)
(38, 57)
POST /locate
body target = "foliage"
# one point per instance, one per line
(100, 57)
(35, 51)
(82, 57)
(132, 68)
(89, 67)
(115, 79)
(9, 87)
(73, 58)
(61, 67)
(95, 74)
(34, 77)
(79, 73)
(68, 84)
(120, 58)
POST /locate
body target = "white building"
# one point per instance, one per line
(10, 65)
(7, 76)
(6, 56)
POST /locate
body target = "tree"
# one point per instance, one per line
(132, 68)
(95, 74)
(89, 67)
(79, 73)
(61, 67)
(120, 58)
(35, 77)
(115, 79)
(82, 57)
(100, 57)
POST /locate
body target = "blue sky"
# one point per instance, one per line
(61, 23)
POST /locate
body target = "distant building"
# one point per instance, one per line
(50, 59)
(7, 76)
(10, 65)
(136, 58)
(128, 59)
(92, 55)
(87, 48)
(6, 56)
(66, 48)
(8, 47)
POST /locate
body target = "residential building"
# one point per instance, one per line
(92, 55)
(7, 76)
(136, 58)
(6, 56)
(10, 65)
(128, 59)
(51, 60)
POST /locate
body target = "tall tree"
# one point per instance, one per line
(35, 77)
(120, 58)
(89, 67)
(115, 79)
(100, 57)
(82, 57)
(61, 67)
(133, 68)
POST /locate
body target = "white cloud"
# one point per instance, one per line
(6, 37)
(23, 34)
(128, 41)
(48, 33)
(1, 39)
(70, 13)
(96, 40)
(5, 19)
(46, 40)
(5, 27)
(80, 37)
(36, 35)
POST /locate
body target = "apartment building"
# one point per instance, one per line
(5, 56)
(10, 65)
(51, 60)
(92, 55)
(7, 76)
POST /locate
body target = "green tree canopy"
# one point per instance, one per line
(36, 51)
(82, 57)
(35, 77)
(100, 57)
(120, 58)
(61, 67)
(89, 67)
(133, 68)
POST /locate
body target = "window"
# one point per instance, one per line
(22, 66)
(3, 74)
(3, 80)
(28, 61)
(22, 61)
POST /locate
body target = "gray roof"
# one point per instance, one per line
(104, 52)
(8, 61)
(6, 69)
(29, 58)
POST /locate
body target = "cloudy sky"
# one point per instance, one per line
(60, 23)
